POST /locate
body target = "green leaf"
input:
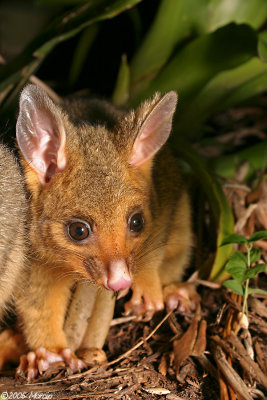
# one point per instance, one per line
(224, 90)
(260, 235)
(239, 11)
(236, 287)
(253, 271)
(236, 266)
(255, 255)
(170, 25)
(239, 258)
(121, 92)
(262, 46)
(14, 75)
(234, 238)
(181, 19)
(190, 69)
(257, 291)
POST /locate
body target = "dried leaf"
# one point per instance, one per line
(201, 342)
(183, 347)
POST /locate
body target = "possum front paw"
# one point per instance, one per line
(92, 356)
(181, 296)
(38, 361)
(146, 300)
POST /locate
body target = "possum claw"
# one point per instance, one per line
(181, 296)
(41, 359)
(144, 303)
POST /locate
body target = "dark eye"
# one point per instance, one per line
(136, 222)
(78, 230)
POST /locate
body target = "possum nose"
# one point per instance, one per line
(118, 275)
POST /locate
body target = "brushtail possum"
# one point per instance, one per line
(12, 220)
(107, 204)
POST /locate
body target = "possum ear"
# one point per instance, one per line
(154, 131)
(40, 133)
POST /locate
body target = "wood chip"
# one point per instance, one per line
(257, 306)
(254, 369)
(157, 390)
(163, 367)
(230, 374)
(260, 357)
(207, 365)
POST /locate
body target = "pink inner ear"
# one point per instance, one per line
(41, 134)
(154, 131)
(48, 147)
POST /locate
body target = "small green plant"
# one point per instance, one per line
(240, 266)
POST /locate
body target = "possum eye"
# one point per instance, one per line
(136, 222)
(79, 230)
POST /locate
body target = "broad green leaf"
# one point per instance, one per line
(121, 92)
(225, 89)
(257, 291)
(170, 25)
(221, 12)
(262, 46)
(200, 60)
(252, 87)
(253, 271)
(236, 272)
(237, 265)
(233, 238)
(260, 235)
(64, 27)
(236, 287)
(218, 203)
(255, 255)
(239, 257)
(179, 19)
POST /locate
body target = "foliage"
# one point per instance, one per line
(240, 265)
(213, 52)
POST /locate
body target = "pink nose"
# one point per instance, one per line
(118, 276)
(118, 285)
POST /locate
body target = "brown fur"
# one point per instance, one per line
(99, 186)
(12, 219)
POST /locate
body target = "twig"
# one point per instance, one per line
(211, 285)
(257, 373)
(241, 355)
(207, 365)
(230, 374)
(139, 344)
(260, 357)
(122, 320)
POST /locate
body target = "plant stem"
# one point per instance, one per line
(245, 297)
(244, 306)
